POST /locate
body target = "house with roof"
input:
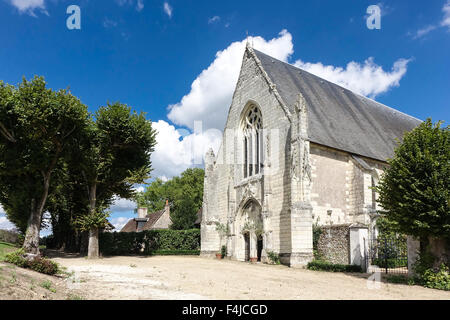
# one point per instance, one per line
(149, 221)
(296, 150)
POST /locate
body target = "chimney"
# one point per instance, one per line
(167, 207)
(142, 212)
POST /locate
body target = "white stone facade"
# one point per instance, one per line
(300, 182)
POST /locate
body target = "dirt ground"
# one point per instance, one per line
(24, 284)
(187, 277)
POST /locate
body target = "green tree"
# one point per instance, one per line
(414, 190)
(36, 126)
(114, 155)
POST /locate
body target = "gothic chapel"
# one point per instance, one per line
(296, 150)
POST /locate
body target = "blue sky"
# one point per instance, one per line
(178, 60)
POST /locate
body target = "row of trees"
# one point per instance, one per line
(57, 157)
(184, 193)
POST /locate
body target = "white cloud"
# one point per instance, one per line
(421, 32)
(168, 9)
(119, 222)
(367, 79)
(29, 6)
(5, 224)
(177, 150)
(211, 93)
(446, 19)
(139, 3)
(213, 19)
(122, 205)
(445, 23)
(108, 23)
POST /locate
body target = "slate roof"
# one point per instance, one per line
(339, 118)
(132, 224)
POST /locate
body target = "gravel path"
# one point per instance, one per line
(190, 278)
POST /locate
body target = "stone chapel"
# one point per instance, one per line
(296, 150)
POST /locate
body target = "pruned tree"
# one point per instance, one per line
(36, 124)
(114, 155)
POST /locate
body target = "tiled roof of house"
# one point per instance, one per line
(152, 218)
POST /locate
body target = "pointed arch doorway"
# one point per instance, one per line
(250, 226)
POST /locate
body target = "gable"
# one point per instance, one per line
(337, 117)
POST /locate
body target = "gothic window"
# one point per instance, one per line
(253, 142)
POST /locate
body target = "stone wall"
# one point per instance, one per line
(334, 243)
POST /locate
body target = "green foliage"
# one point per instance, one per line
(38, 264)
(175, 253)
(43, 265)
(5, 248)
(223, 251)
(319, 265)
(426, 275)
(37, 126)
(400, 279)
(47, 284)
(17, 258)
(96, 219)
(317, 231)
(389, 262)
(149, 242)
(273, 257)
(184, 193)
(437, 279)
(415, 189)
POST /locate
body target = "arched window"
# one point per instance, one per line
(253, 138)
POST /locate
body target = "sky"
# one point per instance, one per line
(179, 61)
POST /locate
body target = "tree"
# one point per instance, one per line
(184, 193)
(114, 155)
(36, 124)
(414, 191)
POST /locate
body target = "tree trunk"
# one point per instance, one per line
(93, 252)
(31, 242)
(93, 244)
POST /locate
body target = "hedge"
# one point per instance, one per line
(390, 263)
(150, 242)
(327, 266)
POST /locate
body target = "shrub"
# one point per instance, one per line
(223, 251)
(390, 263)
(319, 265)
(43, 265)
(148, 242)
(16, 257)
(437, 279)
(273, 257)
(176, 252)
(38, 264)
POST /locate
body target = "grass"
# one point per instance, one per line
(48, 285)
(401, 279)
(6, 248)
